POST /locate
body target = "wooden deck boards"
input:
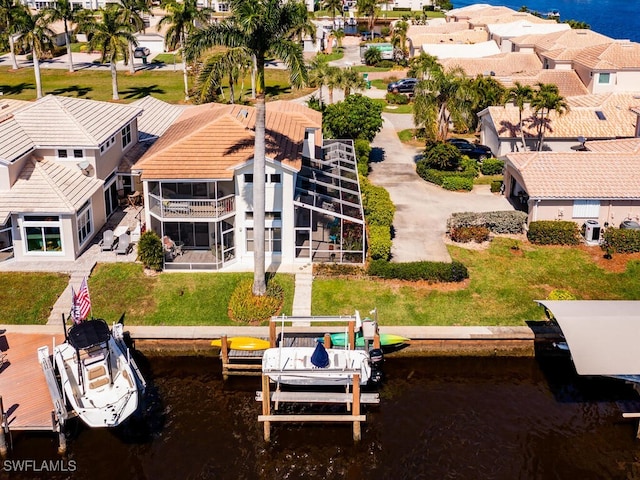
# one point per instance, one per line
(23, 385)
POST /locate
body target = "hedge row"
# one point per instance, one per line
(437, 176)
(430, 271)
(396, 98)
(379, 242)
(377, 204)
(362, 150)
(621, 240)
(497, 222)
(469, 234)
(553, 232)
(496, 186)
(457, 183)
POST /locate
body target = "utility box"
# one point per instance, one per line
(591, 231)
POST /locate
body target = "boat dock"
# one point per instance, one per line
(26, 402)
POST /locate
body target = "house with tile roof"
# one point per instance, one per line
(592, 117)
(577, 186)
(612, 67)
(59, 185)
(198, 189)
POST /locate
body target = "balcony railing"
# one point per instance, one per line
(191, 208)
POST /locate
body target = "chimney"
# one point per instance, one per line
(309, 145)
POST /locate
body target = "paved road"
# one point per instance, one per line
(422, 209)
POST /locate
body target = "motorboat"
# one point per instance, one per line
(100, 381)
(315, 366)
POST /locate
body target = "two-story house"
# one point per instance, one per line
(59, 181)
(198, 188)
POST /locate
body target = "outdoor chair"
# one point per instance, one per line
(124, 244)
(171, 248)
(109, 241)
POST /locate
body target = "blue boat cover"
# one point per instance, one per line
(320, 357)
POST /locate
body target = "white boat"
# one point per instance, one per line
(299, 365)
(100, 381)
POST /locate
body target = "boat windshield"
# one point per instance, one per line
(89, 333)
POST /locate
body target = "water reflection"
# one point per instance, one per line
(438, 418)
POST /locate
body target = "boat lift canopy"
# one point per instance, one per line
(603, 336)
(89, 333)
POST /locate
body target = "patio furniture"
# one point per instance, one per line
(109, 241)
(135, 199)
(172, 249)
(124, 244)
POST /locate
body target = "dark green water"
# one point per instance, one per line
(443, 418)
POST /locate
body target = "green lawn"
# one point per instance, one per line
(330, 57)
(27, 298)
(169, 298)
(503, 284)
(96, 84)
(387, 108)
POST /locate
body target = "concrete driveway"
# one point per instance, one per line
(422, 209)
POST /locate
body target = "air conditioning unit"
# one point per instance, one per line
(591, 231)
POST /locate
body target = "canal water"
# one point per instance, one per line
(439, 418)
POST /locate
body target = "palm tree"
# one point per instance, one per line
(332, 6)
(63, 10)
(9, 20)
(233, 62)
(440, 100)
(333, 80)
(520, 95)
(318, 70)
(368, 8)
(264, 27)
(486, 91)
(400, 30)
(338, 35)
(111, 36)
(35, 35)
(352, 80)
(422, 66)
(182, 18)
(546, 99)
(131, 13)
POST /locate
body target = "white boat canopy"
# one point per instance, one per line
(603, 335)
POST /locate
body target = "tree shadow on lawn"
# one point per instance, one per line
(272, 91)
(79, 91)
(16, 89)
(141, 92)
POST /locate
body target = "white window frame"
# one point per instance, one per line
(108, 144)
(84, 221)
(66, 154)
(24, 224)
(269, 238)
(586, 209)
(600, 78)
(126, 136)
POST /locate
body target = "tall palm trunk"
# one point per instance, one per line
(232, 97)
(259, 280)
(524, 145)
(253, 76)
(114, 80)
(67, 39)
(132, 67)
(36, 70)
(330, 95)
(12, 49)
(185, 76)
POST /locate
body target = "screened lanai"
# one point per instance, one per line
(329, 220)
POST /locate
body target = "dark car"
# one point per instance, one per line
(406, 85)
(471, 150)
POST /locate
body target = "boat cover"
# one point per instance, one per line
(320, 357)
(603, 335)
(89, 333)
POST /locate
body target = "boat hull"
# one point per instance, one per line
(293, 366)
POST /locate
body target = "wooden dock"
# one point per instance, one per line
(25, 398)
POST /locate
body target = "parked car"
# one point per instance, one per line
(405, 85)
(630, 225)
(471, 150)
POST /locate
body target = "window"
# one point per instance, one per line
(586, 208)
(275, 178)
(604, 78)
(84, 223)
(248, 178)
(42, 233)
(267, 215)
(272, 239)
(126, 136)
(62, 154)
(600, 114)
(78, 154)
(107, 145)
(223, 7)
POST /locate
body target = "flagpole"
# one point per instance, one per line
(89, 297)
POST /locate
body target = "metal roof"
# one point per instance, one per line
(603, 335)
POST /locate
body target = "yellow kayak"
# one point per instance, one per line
(243, 343)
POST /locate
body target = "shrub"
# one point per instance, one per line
(469, 234)
(469, 165)
(355, 117)
(396, 98)
(431, 271)
(379, 242)
(363, 150)
(621, 240)
(442, 156)
(245, 307)
(372, 56)
(492, 166)
(385, 31)
(457, 183)
(150, 250)
(437, 176)
(337, 269)
(385, 64)
(377, 204)
(496, 186)
(559, 294)
(507, 221)
(553, 232)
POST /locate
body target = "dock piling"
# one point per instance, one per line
(266, 407)
(59, 428)
(3, 430)
(357, 432)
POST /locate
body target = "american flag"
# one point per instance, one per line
(81, 303)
